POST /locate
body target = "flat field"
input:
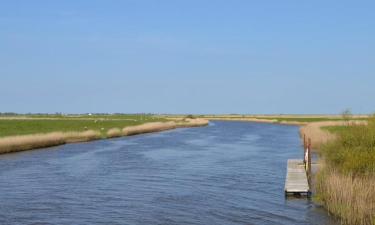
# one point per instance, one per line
(39, 124)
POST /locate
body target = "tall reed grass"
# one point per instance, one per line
(34, 141)
(350, 198)
(161, 126)
(114, 132)
(346, 182)
(148, 128)
(320, 136)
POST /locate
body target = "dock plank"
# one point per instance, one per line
(296, 178)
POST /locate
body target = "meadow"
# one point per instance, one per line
(20, 133)
(39, 124)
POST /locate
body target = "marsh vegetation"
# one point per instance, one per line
(346, 180)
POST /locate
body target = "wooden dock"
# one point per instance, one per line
(296, 178)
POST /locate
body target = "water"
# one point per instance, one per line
(226, 173)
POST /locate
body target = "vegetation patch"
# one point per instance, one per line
(39, 124)
(346, 182)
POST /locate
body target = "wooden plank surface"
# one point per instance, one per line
(296, 178)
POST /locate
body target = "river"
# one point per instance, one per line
(225, 173)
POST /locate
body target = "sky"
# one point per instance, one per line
(187, 56)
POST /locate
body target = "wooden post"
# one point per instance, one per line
(304, 149)
(309, 161)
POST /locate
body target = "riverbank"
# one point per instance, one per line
(346, 179)
(219, 174)
(321, 133)
(316, 127)
(15, 143)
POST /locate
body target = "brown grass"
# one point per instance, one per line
(72, 137)
(162, 126)
(350, 198)
(114, 132)
(192, 123)
(244, 119)
(319, 136)
(148, 128)
(296, 123)
(34, 141)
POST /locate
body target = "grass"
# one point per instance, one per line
(148, 128)
(335, 129)
(114, 132)
(38, 125)
(307, 119)
(349, 198)
(158, 126)
(354, 150)
(286, 119)
(25, 133)
(33, 141)
(346, 182)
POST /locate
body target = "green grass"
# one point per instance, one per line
(335, 129)
(346, 182)
(354, 150)
(64, 124)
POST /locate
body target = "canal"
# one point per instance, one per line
(225, 173)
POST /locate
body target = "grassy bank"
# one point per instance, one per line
(299, 120)
(321, 133)
(20, 134)
(346, 180)
(22, 125)
(345, 183)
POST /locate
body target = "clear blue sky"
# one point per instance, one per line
(187, 56)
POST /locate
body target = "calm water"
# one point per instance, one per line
(226, 173)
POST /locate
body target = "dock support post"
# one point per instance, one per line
(309, 161)
(304, 149)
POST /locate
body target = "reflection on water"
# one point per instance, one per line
(226, 173)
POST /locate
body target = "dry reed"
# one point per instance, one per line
(89, 135)
(162, 126)
(114, 132)
(244, 119)
(350, 198)
(320, 136)
(34, 141)
(192, 123)
(148, 128)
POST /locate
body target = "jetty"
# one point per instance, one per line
(297, 181)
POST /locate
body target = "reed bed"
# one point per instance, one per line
(295, 123)
(243, 119)
(114, 132)
(34, 141)
(148, 128)
(162, 126)
(90, 135)
(192, 123)
(350, 198)
(346, 182)
(320, 136)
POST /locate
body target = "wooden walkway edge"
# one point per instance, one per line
(296, 178)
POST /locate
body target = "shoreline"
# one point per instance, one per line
(313, 130)
(257, 120)
(17, 143)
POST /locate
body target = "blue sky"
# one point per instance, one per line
(187, 56)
